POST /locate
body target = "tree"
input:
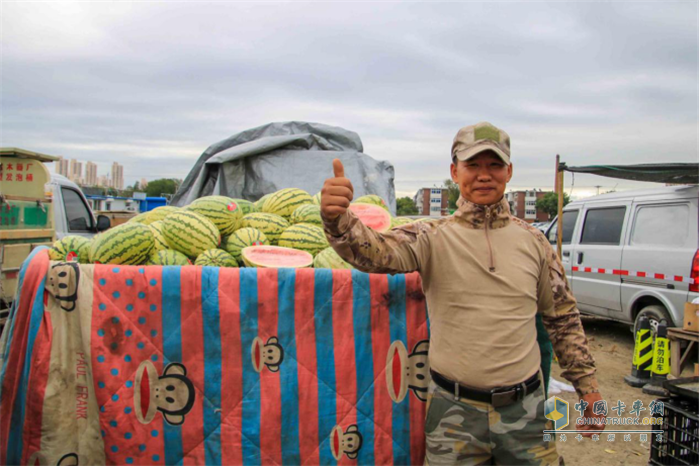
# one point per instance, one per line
(548, 203)
(405, 206)
(452, 193)
(162, 186)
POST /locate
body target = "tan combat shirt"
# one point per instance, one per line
(485, 276)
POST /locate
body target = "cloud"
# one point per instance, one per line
(153, 84)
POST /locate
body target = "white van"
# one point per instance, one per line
(633, 253)
(71, 211)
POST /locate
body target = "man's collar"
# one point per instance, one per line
(475, 214)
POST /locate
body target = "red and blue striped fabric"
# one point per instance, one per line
(205, 365)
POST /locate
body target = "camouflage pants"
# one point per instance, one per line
(467, 432)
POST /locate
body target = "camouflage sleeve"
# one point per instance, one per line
(562, 320)
(401, 250)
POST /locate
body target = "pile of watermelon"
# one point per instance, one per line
(281, 229)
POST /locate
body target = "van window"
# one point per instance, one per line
(651, 225)
(603, 226)
(77, 214)
(570, 218)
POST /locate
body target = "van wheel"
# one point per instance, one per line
(655, 313)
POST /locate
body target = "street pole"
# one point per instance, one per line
(560, 204)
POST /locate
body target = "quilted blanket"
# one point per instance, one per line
(201, 365)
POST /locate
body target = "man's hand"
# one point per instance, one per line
(591, 429)
(336, 193)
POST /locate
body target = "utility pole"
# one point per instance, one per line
(597, 189)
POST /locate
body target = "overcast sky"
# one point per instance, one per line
(153, 84)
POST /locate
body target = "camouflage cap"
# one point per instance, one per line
(471, 140)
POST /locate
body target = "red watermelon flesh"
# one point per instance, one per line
(372, 216)
(276, 257)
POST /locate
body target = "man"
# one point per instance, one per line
(486, 275)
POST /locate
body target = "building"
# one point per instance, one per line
(431, 201)
(62, 167)
(91, 174)
(522, 205)
(113, 203)
(143, 183)
(75, 172)
(117, 176)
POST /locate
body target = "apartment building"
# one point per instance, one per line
(523, 205)
(431, 201)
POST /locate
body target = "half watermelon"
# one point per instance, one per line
(372, 216)
(275, 257)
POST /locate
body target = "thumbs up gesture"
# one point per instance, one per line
(336, 193)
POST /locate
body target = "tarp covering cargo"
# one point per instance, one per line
(202, 365)
(293, 154)
(681, 173)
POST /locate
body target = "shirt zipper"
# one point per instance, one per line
(492, 266)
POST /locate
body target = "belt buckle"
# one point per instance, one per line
(500, 399)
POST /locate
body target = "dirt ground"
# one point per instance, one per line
(612, 345)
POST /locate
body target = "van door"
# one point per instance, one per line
(663, 240)
(570, 219)
(597, 255)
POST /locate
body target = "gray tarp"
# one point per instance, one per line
(292, 154)
(681, 173)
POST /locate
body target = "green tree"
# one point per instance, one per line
(452, 193)
(162, 186)
(548, 203)
(405, 206)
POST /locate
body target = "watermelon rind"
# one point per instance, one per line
(159, 213)
(316, 198)
(247, 207)
(221, 210)
(398, 221)
(71, 248)
(190, 233)
(160, 241)
(143, 218)
(284, 201)
(259, 203)
(307, 213)
(216, 258)
(305, 237)
(329, 259)
(242, 238)
(274, 257)
(270, 224)
(169, 257)
(127, 244)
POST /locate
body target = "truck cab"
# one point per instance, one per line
(72, 213)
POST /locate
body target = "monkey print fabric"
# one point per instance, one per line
(200, 365)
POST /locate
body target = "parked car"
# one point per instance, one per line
(71, 211)
(624, 252)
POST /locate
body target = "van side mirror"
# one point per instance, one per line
(103, 223)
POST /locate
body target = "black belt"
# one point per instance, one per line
(497, 397)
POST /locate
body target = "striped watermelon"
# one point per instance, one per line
(329, 259)
(317, 198)
(307, 213)
(242, 238)
(128, 244)
(275, 257)
(143, 218)
(259, 203)
(372, 199)
(270, 224)
(190, 233)
(216, 258)
(396, 221)
(71, 248)
(284, 201)
(246, 207)
(305, 237)
(221, 210)
(372, 216)
(157, 228)
(169, 257)
(159, 213)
